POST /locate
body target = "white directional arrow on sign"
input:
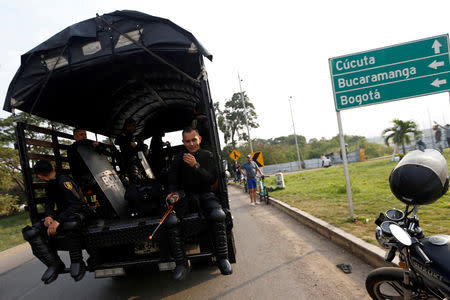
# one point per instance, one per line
(436, 46)
(437, 82)
(435, 64)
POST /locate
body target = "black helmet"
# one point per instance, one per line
(421, 177)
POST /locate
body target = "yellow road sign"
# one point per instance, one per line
(234, 155)
(258, 158)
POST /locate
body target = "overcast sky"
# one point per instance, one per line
(280, 49)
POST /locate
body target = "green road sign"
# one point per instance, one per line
(396, 72)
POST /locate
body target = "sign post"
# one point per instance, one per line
(397, 72)
(345, 162)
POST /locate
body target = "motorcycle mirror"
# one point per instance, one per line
(400, 234)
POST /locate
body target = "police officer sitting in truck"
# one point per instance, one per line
(193, 172)
(78, 167)
(65, 220)
(129, 149)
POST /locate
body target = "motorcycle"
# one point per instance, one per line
(420, 178)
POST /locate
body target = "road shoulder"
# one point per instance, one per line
(367, 252)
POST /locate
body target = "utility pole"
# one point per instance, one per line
(295, 136)
(431, 128)
(245, 114)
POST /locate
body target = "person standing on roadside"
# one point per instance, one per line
(250, 172)
(438, 137)
(447, 132)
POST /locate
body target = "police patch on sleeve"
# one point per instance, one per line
(68, 185)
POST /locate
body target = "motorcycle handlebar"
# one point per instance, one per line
(422, 254)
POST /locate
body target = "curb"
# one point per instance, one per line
(368, 253)
(14, 257)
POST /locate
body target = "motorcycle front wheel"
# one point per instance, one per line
(385, 283)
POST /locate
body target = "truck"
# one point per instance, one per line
(96, 74)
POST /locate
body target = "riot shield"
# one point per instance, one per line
(106, 178)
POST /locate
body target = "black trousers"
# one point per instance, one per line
(209, 207)
(71, 228)
(204, 203)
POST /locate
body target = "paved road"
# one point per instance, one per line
(277, 259)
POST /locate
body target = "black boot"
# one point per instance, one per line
(77, 266)
(224, 266)
(73, 230)
(178, 252)
(180, 272)
(44, 253)
(220, 239)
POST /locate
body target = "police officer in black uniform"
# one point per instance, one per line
(78, 167)
(193, 171)
(129, 149)
(66, 219)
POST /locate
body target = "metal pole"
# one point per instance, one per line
(431, 128)
(344, 159)
(295, 136)
(245, 114)
(343, 151)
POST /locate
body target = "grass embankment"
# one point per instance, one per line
(11, 230)
(322, 193)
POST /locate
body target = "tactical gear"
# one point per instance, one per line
(220, 243)
(74, 241)
(216, 217)
(180, 272)
(177, 246)
(44, 253)
(224, 267)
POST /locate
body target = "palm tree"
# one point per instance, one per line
(399, 133)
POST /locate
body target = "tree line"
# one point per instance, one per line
(231, 121)
(282, 149)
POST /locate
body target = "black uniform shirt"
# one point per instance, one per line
(156, 147)
(124, 141)
(77, 165)
(63, 192)
(184, 177)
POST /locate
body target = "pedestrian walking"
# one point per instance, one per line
(251, 168)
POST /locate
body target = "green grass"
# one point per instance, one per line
(11, 230)
(322, 193)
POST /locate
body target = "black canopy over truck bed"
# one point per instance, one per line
(97, 73)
